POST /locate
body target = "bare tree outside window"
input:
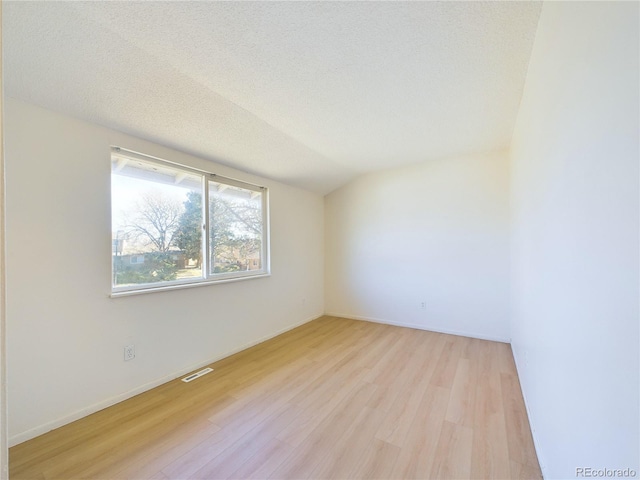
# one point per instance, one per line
(236, 228)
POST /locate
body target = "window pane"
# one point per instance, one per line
(156, 223)
(235, 229)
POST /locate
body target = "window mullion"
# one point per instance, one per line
(265, 232)
(206, 227)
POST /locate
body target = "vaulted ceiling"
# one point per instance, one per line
(308, 93)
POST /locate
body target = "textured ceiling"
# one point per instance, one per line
(308, 93)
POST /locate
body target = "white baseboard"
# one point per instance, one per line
(422, 327)
(536, 445)
(47, 427)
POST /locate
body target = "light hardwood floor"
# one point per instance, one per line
(334, 398)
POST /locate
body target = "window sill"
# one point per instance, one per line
(180, 286)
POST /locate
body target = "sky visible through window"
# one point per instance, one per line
(125, 192)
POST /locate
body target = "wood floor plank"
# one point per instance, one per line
(339, 461)
(308, 455)
(246, 447)
(460, 403)
(525, 472)
(519, 439)
(377, 461)
(416, 459)
(334, 398)
(402, 413)
(264, 462)
(318, 410)
(490, 452)
(157, 476)
(447, 363)
(155, 456)
(453, 453)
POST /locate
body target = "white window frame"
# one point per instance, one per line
(207, 278)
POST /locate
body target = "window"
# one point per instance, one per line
(172, 225)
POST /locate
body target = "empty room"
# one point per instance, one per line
(326, 240)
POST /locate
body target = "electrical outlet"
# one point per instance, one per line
(423, 305)
(129, 352)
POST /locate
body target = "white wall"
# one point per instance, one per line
(66, 336)
(575, 237)
(437, 233)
